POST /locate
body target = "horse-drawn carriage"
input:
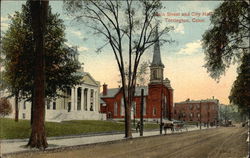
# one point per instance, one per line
(173, 125)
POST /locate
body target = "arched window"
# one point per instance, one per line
(115, 109)
(122, 108)
(155, 74)
(154, 111)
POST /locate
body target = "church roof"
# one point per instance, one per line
(113, 91)
(157, 54)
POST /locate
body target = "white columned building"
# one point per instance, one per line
(72, 106)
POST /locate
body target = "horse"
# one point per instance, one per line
(180, 126)
(168, 125)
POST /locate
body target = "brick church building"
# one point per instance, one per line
(158, 92)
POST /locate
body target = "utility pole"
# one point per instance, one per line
(141, 117)
(161, 106)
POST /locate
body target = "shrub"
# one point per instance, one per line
(5, 107)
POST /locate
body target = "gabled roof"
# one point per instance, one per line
(88, 79)
(110, 93)
(113, 91)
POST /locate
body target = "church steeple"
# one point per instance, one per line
(157, 53)
(156, 67)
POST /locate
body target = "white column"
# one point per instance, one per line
(72, 98)
(82, 98)
(88, 98)
(75, 101)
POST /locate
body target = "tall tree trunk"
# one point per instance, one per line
(128, 132)
(39, 11)
(16, 106)
(32, 108)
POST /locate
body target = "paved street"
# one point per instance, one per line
(216, 142)
(18, 145)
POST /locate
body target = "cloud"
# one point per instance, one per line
(190, 48)
(179, 29)
(79, 34)
(82, 49)
(79, 48)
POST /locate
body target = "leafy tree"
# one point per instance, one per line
(18, 48)
(5, 107)
(129, 27)
(229, 112)
(227, 42)
(33, 50)
(240, 92)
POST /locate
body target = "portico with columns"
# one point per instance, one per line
(83, 98)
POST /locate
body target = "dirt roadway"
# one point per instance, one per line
(212, 143)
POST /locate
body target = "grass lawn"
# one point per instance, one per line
(21, 129)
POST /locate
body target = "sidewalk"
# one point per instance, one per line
(8, 147)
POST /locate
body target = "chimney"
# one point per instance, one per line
(105, 89)
(213, 97)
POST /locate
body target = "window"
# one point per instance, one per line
(198, 115)
(91, 93)
(155, 74)
(154, 111)
(191, 115)
(48, 104)
(197, 106)
(134, 108)
(190, 106)
(54, 105)
(122, 107)
(24, 105)
(23, 115)
(212, 107)
(115, 109)
(69, 106)
(85, 99)
(91, 107)
(184, 115)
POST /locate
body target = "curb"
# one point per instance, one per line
(71, 136)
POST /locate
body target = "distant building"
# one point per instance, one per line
(80, 102)
(157, 94)
(194, 110)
